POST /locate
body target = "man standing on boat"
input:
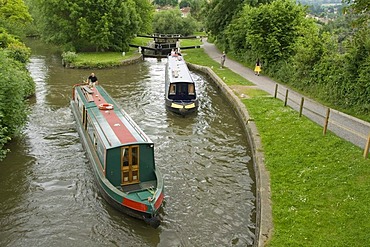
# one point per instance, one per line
(92, 80)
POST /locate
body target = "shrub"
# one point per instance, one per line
(69, 57)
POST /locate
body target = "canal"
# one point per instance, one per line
(47, 188)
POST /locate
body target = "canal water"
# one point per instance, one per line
(47, 188)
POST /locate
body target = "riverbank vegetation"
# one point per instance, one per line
(16, 85)
(98, 60)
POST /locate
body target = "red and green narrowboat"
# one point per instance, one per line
(180, 93)
(121, 154)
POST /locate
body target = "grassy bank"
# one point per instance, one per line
(320, 184)
(102, 59)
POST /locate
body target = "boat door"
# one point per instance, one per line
(130, 165)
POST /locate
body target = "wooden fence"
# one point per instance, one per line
(350, 128)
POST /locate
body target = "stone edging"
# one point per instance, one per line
(264, 224)
(132, 60)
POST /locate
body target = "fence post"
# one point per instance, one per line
(326, 121)
(301, 107)
(366, 151)
(276, 90)
(286, 98)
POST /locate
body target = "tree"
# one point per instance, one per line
(93, 25)
(171, 22)
(273, 29)
(196, 9)
(14, 16)
(359, 6)
(360, 9)
(219, 14)
(145, 12)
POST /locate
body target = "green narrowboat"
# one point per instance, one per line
(121, 154)
(180, 93)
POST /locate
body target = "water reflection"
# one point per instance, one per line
(47, 186)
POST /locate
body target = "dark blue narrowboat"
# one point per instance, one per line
(121, 154)
(180, 93)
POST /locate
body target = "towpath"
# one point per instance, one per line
(345, 126)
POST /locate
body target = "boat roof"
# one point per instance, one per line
(178, 70)
(115, 127)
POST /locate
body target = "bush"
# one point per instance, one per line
(15, 84)
(68, 58)
(19, 52)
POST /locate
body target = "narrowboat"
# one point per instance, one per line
(121, 154)
(180, 93)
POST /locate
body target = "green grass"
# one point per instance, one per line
(189, 42)
(102, 59)
(320, 184)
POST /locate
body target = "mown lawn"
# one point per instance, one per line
(102, 59)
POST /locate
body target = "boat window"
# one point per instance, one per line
(191, 89)
(183, 88)
(95, 142)
(125, 156)
(172, 89)
(130, 165)
(135, 156)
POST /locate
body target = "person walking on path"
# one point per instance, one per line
(223, 58)
(257, 68)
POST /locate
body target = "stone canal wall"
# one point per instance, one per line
(264, 226)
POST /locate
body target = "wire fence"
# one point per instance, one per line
(345, 126)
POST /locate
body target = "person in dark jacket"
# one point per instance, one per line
(92, 80)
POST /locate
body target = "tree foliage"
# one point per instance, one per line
(197, 9)
(14, 47)
(93, 25)
(171, 22)
(268, 31)
(273, 29)
(15, 84)
(14, 15)
(359, 6)
(219, 14)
